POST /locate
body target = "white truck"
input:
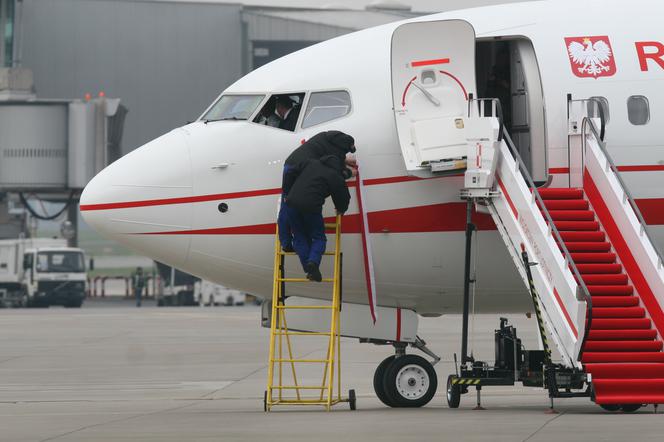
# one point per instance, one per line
(209, 293)
(39, 272)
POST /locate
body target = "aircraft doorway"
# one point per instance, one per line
(508, 70)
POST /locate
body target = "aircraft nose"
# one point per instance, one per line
(143, 199)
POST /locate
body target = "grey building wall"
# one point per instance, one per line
(166, 61)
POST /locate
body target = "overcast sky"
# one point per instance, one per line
(417, 5)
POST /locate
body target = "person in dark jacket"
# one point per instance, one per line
(287, 112)
(316, 180)
(333, 143)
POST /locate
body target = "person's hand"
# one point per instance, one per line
(351, 161)
(353, 172)
(339, 212)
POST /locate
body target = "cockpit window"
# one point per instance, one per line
(326, 106)
(281, 111)
(233, 107)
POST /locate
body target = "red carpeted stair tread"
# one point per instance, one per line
(626, 370)
(594, 258)
(631, 387)
(615, 301)
(588, 246)
(560, 193)
(609, 290)
(621, 335)
(618, 312)
(572, 215)
(566, 204)
(576, 225)
(573, 236)
(589, 269)
(622, 356)
(614, 346)
(606, 279)
(621, 324)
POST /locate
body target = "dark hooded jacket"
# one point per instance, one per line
(316, 180)
(332, 142)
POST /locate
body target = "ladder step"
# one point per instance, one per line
(594, 258)
(305, 307)
(303, 280)
(306, 361)
(621, 324)
(627, 346)
(631, 356)
(298, 387)
(295, 254)
(302, 333)
(330, 225)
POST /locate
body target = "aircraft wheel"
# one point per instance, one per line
(610, 407)
(410, 381)
(453, 393)
(630, 408)
(378, 381)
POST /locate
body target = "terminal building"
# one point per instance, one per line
(166, 59)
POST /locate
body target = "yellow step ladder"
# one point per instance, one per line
(283, 388)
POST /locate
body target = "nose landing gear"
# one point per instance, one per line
(406, 381)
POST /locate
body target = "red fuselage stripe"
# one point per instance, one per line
(626, 257)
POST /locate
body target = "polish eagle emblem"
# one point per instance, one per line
(591, 56)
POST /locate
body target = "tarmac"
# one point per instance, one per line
(112, 372)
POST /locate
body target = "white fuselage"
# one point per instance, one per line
(162, 199)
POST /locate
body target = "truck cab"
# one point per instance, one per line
(54, 276)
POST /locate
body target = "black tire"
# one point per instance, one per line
(410, 381)
(378, 381)
(630, 408)
(352, 400)
(610, 407)
(453, 393)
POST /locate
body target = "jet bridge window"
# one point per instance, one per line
(638, 110)
(233, 107)
(281, 111)
(326, 106)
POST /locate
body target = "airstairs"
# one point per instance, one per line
(594, 270)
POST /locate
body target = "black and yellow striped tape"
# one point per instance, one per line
(466, 381)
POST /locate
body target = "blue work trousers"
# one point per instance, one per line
(309, 238)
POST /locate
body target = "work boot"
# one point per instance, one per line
(313, 272)
(288, 248)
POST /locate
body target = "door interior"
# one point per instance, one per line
(433, 75)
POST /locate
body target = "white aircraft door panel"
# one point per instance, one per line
(433, 74)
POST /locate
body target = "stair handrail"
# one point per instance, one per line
(588, 124)
(503, 134)
(556, 234)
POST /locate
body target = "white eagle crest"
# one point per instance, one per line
(591, 57)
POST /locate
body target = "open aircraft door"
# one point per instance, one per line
(433, 75)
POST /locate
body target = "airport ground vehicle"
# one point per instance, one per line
(209, 293)
(39, 272)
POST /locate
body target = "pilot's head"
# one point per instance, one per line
(283, 105)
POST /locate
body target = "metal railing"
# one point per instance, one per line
(627, 195)
(521, 167)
